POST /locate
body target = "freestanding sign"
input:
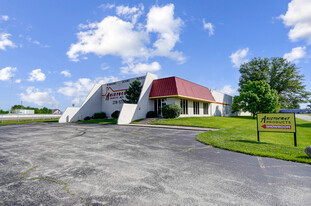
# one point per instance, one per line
(277, 122)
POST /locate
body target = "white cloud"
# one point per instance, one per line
(141, 68)
(36, 75)
(161, 20)
(7, 73)
(17, 81)
(36, 42)
(128, 39)
(239, 57)
(296, 54)
(34, 95)
(104, 66)
(227, 89)
(132, 13)
(80, 89)
(107, 6)
(4, 18)
(298, 16)
(208, 26)
(66, 73)
(5, 42)
(111, 36)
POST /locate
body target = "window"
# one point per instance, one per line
(184, 106)
(196, 107)
(205, 108)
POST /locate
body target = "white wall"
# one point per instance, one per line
(132, 112)
(115, 101)
(221, 108)
(91, 105)
(127, 113)
(68, 114)
(144, 104)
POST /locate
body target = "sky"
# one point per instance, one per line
(53, 52)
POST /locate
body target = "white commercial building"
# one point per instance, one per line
(194, 99)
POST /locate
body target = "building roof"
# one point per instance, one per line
(177, 87)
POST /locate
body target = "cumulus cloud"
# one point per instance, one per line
(36, 75)
(111, 36)
(34, 95)
(66, 73)
(4, 18)
(296, 54)
(5, 42)
(130, 40)
(80, 89)
(239, 57)
(7, 73)
(141, 68)
(298, 17)
(227, 89)
(132, 13)
(161, 20)
(208, 26)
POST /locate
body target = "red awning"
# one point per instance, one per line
(177, 87)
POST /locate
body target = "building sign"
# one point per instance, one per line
(115, 95)
(276, 122)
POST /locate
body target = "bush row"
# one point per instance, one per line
(168, 111)
(102, 115)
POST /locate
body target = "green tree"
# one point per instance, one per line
(43, 110)
(281, 75)
(256, 97)
(133, 92)
(3, 112)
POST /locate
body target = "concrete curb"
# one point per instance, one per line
(171, 127)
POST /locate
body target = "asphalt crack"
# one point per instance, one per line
(22, 176)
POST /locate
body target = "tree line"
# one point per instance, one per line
(43, 110)
(268, 84)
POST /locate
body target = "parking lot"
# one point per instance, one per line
(82, 164)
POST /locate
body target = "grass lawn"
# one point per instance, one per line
(240, 134)
(136, 121)
(100, 121)
(25, 121)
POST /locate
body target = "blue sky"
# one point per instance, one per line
(52, 52)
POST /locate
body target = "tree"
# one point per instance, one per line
(256, 97)
(133, 92)
(281, 75)
(43, 110)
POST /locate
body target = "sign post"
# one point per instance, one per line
(276, 122)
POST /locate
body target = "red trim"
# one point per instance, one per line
(113, 90)
(223, 104)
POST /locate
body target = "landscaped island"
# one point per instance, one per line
(240, 134)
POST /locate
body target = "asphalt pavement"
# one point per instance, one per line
(79, 164)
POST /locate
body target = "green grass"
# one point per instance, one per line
(137, 121)
(26, 121)
(240, 134)
(100, 121)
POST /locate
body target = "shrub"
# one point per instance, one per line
(171, 111)
(99, 115)
(115, 114)
(87, 118)
(151, 114)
